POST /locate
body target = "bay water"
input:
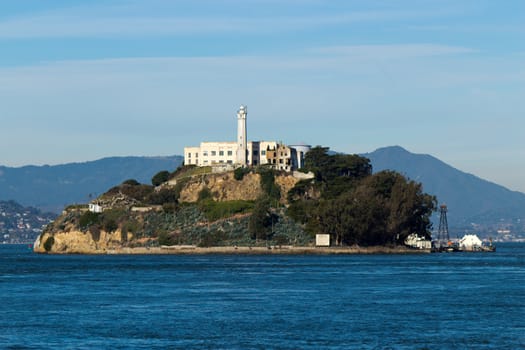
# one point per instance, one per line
(426, 301)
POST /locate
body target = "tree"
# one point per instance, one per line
(261, 219)
(131, 182)
(356, 207)
(160, 177)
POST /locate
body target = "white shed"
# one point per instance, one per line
(322, 240)
(95, 208)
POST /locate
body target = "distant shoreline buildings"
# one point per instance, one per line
(243, 153)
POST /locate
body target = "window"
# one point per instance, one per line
(255, 152)
(280, 161)
(230, 153)
(254, 162)
(221, 153)
(213, 153)
(204, 153)
(263, 152)
(205, 162)
(230, 162)
(196, 155)
(189, 155)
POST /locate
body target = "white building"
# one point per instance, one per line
(216, 153)
(415, 241)
(470, 243)
(241, 152)
(95, 208)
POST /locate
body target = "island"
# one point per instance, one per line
(251, 209)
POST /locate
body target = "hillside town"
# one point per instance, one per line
(19, 224)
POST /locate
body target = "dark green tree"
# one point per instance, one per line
(356, 207)
(160, 177)
(260, 222)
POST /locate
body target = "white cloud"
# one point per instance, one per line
(392, 51)
(140, 20)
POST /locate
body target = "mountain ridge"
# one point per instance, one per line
(468, 197)
(52, 187)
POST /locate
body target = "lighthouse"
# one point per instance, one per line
(241, 135)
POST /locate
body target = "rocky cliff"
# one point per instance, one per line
(224, 187)
(78, 242)
(137, 215)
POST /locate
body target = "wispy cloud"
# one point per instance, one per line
(101, 22)
(393, 51)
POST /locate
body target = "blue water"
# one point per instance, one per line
(433, 301)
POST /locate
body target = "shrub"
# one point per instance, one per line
(212, 239)
(165, 195)
(239, 173)
(170, 207)
(204, 194)
(166, 238)
(110, 225)
(110, 219)
(160, 178)
(131, 182)
(48, 244)
(130, 226)
(268, 184)
(138, 192)
(181, 170)
(87, 219)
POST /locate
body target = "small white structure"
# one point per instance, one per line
(322, 240)
(415, 241)
(95, 208)
(470, 243)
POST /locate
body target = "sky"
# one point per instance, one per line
(83, 80)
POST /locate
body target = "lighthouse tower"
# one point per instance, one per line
(241, 135)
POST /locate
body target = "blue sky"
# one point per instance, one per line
(81, 80)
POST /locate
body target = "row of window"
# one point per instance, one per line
(221, 153)
(220, 162)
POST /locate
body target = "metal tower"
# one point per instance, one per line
(443, 237)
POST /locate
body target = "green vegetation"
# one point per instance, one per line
(159, 178)
(262, 219)
(131, 182)
(356, 207)
(188, 171)
(219, 210)
(239, 173)
(204, 194)
(166, 238)
(268, 185)
(87, 219)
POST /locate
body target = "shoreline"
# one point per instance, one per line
(243, 250)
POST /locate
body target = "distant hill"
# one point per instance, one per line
(469, 198)
(51, 188)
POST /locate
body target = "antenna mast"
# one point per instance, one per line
(443, 237)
